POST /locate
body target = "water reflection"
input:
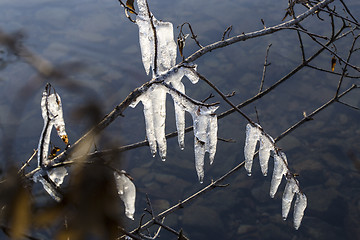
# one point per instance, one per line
(97, 36)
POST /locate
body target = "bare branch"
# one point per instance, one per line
(266, 64)
(258, 33)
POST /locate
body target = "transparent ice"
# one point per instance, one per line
(47, 186)
(204, 121)
(205, 129)
(290, 189)
(175, 80)
(154, 100)
(266, 146)
(127, 192)
(51, 109)
(299, 208)
(280, 169)
(166, 46)
(253, 134)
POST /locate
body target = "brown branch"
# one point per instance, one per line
(344, 70)
(193, 35)
(331, 72)
(259, 33)
(348, 11)
(311, 115)
(227, 31)
(266, 64)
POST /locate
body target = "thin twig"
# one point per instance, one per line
(193, 35)
(331, 72)
(348, 105)
(311, 115)
(227, 31)
(348, 11)
(28, 161)
(301, 47)
(262, 32)
(344, 70)
(266, 64)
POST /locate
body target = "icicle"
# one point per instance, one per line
(57, 175)
(154, 100)
(149, 123)
(52, 113)
(212, 136)
(253, 134)
(175, 80)
(47, 186)
(146, 41)
(266, 145)
(205, 136)
(127, 192)
(166, 46)
(299, 208)
(158, 98)
(290, 189)
(279, 170)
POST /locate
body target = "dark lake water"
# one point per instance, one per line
(97, 48)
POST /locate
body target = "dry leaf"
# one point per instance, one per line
(333, 63)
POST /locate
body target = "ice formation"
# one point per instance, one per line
(266, 146)
(165, 44)
(205, 129)
(299, 208)
(290, 189)
(49, 187)
(253, 134)
(280, 169)
(127, 192)
(204, 120)
(154, 100)
(162, 41)
(175, 80)
(51, 108)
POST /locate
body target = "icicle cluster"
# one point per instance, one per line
(204, 121)
(158, 36)
(127, 192)
(205, 129)
(51, 108)
(254, 133)
(155, 113)
(51, 180)
(166, 46)
(175, 80)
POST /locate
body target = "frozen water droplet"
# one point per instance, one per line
(249, 174)
(163, 159)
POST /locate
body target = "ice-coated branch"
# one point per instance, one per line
(119, 109)
(158, 48)
(204, 120)
(51, 108)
